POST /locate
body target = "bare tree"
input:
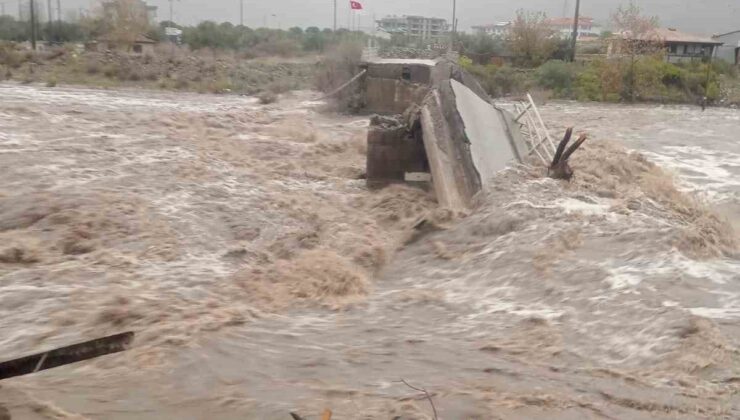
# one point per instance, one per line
(531, 39)
(636, 36)
(125, 21)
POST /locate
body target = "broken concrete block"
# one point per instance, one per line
(454, 133)
(467, 140)
(393, 151)
(391, 85)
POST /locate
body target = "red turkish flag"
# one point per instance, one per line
(355, 5)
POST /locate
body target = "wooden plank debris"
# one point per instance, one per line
(66, 355)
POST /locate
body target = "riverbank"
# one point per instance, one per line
(168, 68)
(649, 80)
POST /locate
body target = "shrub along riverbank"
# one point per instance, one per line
(644, 79)
(169, 68)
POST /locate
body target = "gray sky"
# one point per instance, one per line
(701, 16)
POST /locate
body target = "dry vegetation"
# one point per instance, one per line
(338, 66)
(608, 170)
(171, 68)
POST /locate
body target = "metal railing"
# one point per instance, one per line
(534, 131)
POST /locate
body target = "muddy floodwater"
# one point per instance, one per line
(239, 243)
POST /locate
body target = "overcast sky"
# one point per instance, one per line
(701, 16)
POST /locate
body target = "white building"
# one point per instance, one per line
(416, 28)
(730, 51)
(498, 29)
(564, 27)
(679, 46)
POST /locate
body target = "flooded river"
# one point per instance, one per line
(239, 242)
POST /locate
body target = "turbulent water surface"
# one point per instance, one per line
(261, 277)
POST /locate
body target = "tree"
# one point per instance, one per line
(12, 30)
(481, 47)
(531, 41)
(314, 39)
(125, 20)
(637, 36)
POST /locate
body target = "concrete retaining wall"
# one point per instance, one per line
(391, 86)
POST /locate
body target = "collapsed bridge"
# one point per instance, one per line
(437, 126)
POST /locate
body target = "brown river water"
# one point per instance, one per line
(261, 277)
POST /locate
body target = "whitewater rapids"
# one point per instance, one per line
(261, 277)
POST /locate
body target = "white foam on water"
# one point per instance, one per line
(718, 313)
(572, 205)
(623, 278)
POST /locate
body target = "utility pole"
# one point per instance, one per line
(2, 9)
(574, 36)
(335, 15)
(48, 8)
(241, 12)
(59, 18)
(171, 1)
(33, 24)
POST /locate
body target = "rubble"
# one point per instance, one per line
(452, 135)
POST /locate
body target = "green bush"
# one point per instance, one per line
(558, 76)
(646, 78)
(507, 81)
(465, 62)
(600, 80)
(649, 73)
(588, 86)
(713, 91)
(499, 80)
(723, 67)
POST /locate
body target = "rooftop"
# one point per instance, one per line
(404, 17)
(672, 35)
(725, 34)
(420, 61)
(492, 25)
(562, 21)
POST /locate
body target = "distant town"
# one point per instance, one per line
(409, 30)
(630, 56)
